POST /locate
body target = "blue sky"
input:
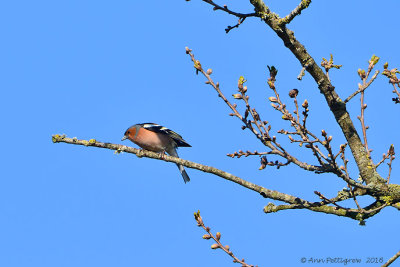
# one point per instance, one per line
(90, 69)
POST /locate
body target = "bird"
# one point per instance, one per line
(157, 138)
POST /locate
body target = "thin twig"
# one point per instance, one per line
(269, 142)
(225, 8)
(392, 157)
(362, 88)
(362, 120)
(217, 238)
(392, 259)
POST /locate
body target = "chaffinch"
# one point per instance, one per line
(157, 138)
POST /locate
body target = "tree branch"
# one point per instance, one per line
(217, 238)
(297, 11)
(267, 193)
(362, 88)
(262, 133)
(337, 106)
(392, 259)
(149, 154)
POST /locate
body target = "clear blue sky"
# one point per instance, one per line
(90, 69)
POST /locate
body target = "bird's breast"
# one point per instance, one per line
(152, 141)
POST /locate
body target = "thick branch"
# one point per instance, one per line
(149, 154)
(337, 106)
(265, 139)
(267, 193)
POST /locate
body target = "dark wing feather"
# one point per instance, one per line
(161, 129)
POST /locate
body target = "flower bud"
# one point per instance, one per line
(293, 93)
(218, 235)
(305, 104)
(214, 246)
(271, 84)
(386, 65)
(273, 99)
(206, 236)
(197, 65)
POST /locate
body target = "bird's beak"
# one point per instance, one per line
(123, 138)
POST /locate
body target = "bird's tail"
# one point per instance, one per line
(183, 173)
(173, 152)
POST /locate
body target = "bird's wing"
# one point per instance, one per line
(161, 129)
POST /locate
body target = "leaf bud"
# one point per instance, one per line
(293, 93)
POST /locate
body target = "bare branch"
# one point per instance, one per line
(267, 193)
(216, 238)
(391, 74)
(392, 259)
(261, 132)
(335, 103)
(149, 154)
(227, 10)
(392, 157)
(362, 88)
(224, 8)
(297, 11)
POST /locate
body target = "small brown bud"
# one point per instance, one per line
(214, 246)
(293, 93)
(244, 90)
(218, 235)
(323, 133)
(272, 71)
(273, 99)
(187, 50)
(329, 138)
(342, 168)
(197, 65)
(206, 236)
(271, 84)
(391, 150)
(362, 73)
(237, 96)
(209, 71)
(227, 247)
(305, 104)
